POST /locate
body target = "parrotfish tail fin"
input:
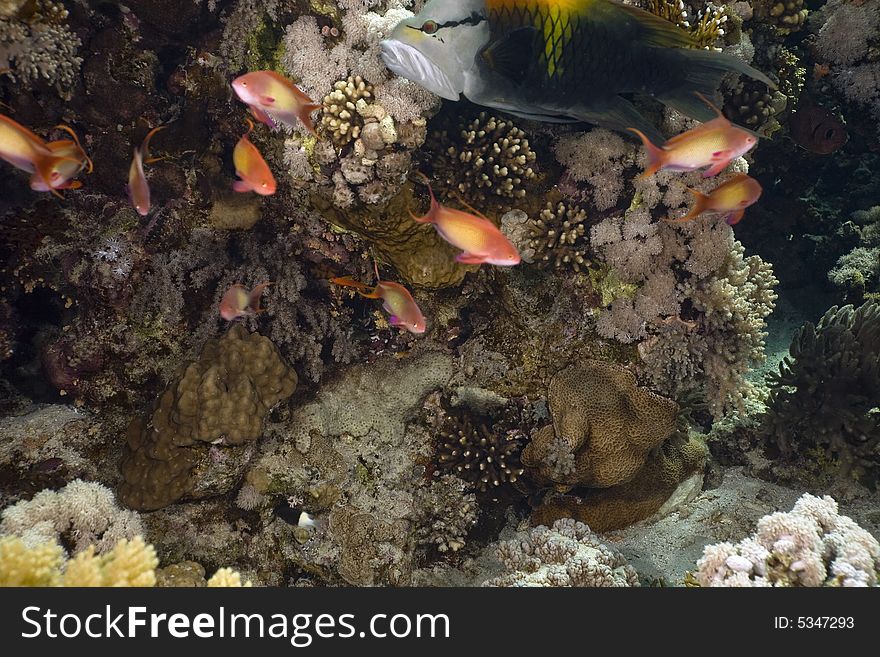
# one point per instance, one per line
(703, 71)
(734, 217)
(655, 154)
(700, 203)
(363, 290)
(145, 146)
(255, 295)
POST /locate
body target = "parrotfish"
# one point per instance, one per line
(238, 302)
(396, 300)
(480, 239)
(138, 187)
(274, 99)
(713, 144)
(730, 198)
(251, 167)
(558, 60)
(52, 164)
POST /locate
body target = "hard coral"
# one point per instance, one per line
(482, 451)
(786, 16)
(566, 554)
(484, 157)
(607, 509)
(812, 545)
(559, 238)
(339, 117)
(825, 394)
(605, 421)
(222, 398)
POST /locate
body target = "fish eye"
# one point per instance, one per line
(829, 133)
(265, 185)
(430, 27)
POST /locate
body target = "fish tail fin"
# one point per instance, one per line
(254, 296)
(655, 154)
(306, 117)
(703, 71)
(363, 290)
(73, 134)
(701, 204)
(145, 144)
(428, 218)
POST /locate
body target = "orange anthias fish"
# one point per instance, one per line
(274, 99)
(251, 167)
(730, 198)
(71, 159)
(53, 164)
(480, 239)
(238, 302)
(396, 300)
(713, 144)
(138, 187)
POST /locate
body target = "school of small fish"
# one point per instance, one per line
(506, 37)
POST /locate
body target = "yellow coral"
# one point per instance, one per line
(226, 577)
(24, 566)
(130, 563)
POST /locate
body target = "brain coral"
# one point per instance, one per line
(566, 554)
(606, 509)
(222, 398)
(605, 421)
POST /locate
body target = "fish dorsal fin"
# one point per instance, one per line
(471, 208)
(512, 55)
(649, 29)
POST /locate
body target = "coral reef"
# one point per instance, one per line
(565, 554)
(37, 44)
(483, 451)
(786, 16)
(78, 516)
(858, 272)
(672, 473)
(445, 512)
(221, 399)
(812, 545)
(483, 157)
(558, 238)
(127, 563)
(825, 393)
(604, 421)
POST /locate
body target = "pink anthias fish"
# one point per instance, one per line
(138, 188)
(53, 164)
(251, 168)
(730, 198)
(274, 99)
(713, 144)
(238, 302)
(479, 239)
(396, 300)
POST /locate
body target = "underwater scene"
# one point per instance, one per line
(507, 293)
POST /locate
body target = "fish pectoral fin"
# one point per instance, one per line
(512, 55)
(394, 320)
(469, 259)
(619, 114)
(267, 100)
(734, 217)
(719, 166)
(241, 186)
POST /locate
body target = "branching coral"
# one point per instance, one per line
(566, 554)
(484, 451)
(444, 513)
(484, 157)
(605, 421)
(36, 43)
(79, 515)
(825, 394)
(598, 158)
(128, 563)
(339, 115)
(221, 398)
(706, 29)
(558, 238)
(786, 16)
(858, 272)
(812, 545)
